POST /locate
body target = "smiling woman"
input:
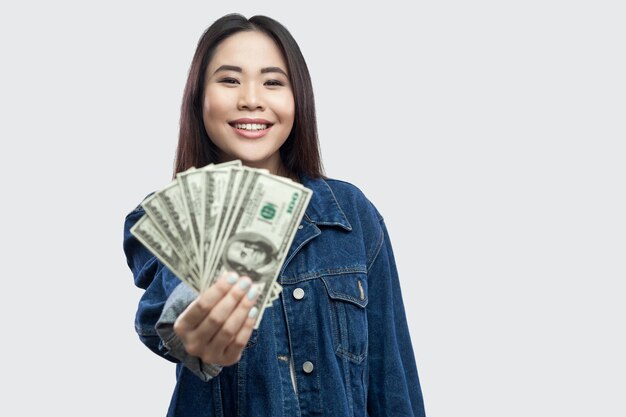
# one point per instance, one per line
(336, 342)
(255, 67)
(247, 77)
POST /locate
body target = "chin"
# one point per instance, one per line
(254, 160)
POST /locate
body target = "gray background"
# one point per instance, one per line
(489, 134)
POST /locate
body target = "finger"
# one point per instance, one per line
(233, 351)
(214, 321)
(235, 320)
(201, 306)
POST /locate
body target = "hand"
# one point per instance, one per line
(216, 326)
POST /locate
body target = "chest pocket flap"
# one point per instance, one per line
(347, 287)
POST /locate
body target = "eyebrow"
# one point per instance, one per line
(238, 69)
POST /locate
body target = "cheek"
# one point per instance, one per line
(214, 105)
(212, 117)
(285, 106)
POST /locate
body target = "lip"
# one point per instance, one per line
(248, 134)
(248, 120)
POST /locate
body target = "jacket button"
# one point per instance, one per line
(300, 227)
(307, 367)
(298, 293)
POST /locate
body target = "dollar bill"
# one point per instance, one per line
(191, 193)
(172, 203)
(148, 234)
(219, 183)
(224, 217)
(261, 229)
(225, 190)
(155, 210)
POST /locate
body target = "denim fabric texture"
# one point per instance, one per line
(347, 338)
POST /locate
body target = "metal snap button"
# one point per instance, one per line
(298, 293)
(307, 367)
(300, 227)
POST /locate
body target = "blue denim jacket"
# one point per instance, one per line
(346, 340)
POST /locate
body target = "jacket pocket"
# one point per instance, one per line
(348, 298)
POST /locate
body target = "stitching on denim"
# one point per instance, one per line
(348, 225)
(325, 272)
(334, 322)
(318, 382)
(348, 297)
(218, 405)
(336, 328)
(296, 250)
(351, 356)
(347, 369)
(241, 383)
(336, 295)
(343, 226)
(286, 311)
(378, 247)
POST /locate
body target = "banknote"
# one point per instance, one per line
(261, 229)
(224, 217)
(192, 194)
(159, 216)
(171, 201)
(148, 234)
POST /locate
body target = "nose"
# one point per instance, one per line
(250, 98)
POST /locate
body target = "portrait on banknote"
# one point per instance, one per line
(251, 254)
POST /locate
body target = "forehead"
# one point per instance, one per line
(250, 50)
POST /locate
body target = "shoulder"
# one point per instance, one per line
(340, 203)
(135, 214)
(351, 198)
(364, 221)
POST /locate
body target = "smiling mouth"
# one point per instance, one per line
(252, 127)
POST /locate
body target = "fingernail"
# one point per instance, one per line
(252, 293)
(244, 284)
(253, 312)
(231, 278)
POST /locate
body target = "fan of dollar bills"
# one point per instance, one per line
(224, 217)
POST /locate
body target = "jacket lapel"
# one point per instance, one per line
(323, 210)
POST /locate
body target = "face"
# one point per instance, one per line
(247, 254)
(248, 108)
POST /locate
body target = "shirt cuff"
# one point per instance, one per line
(176, 303)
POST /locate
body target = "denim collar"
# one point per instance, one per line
(323, 209)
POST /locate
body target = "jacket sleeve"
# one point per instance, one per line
(393, 383)
(165, 297)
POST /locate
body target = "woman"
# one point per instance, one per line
(336, 342)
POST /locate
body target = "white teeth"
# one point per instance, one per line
(250, 126)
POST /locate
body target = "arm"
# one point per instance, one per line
(158, 284)
(177, 324)
(394, 387)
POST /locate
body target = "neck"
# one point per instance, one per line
(274, 165)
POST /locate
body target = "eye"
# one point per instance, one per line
(228, 80)
(273, 83)
(243, 255)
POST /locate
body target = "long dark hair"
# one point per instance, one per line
(301, 152)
